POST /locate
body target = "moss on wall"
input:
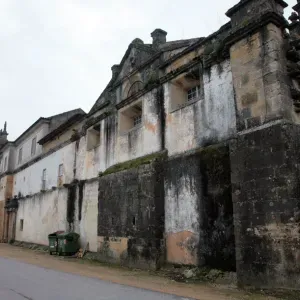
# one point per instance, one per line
(133, 163)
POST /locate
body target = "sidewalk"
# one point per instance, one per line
(135, 278)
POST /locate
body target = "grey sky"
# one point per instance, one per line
(56, 55)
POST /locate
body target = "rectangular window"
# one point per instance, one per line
(33, 146)
(193, 93)
(44, 179)
(93, 137)
(20, 156)
(186, 89)
(5, 163)
(137, 120)
(21, 224)
(130, 117)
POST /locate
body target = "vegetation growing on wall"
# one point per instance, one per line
(133, 163)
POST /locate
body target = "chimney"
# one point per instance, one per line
(115, 70)
(159, 37)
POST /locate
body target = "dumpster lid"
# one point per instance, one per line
(68, 234)
(56, 233)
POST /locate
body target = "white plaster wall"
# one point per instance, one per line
(88, 163)
(6, 155)
(206, 121)
(39, 133)
(181, 202)
(43, 214)
(29, 180)
(87, 227)
(80, 161)
(2, 187)
(142, 140)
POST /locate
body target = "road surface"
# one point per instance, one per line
(21, 281)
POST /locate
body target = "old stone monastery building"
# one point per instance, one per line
(189, 156)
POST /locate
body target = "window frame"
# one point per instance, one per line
(95, 131)
(195, 91)
(131, 117)
(137, 120)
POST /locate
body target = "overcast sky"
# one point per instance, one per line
(56, 55)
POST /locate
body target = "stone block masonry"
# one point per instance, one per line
(131, 216)
(265, 178)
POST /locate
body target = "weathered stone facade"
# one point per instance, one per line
(189, 155)
(131, 217)
(265, 193)
(199, 212)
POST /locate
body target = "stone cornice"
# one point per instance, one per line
(101, 106)
(242, 3)
(164, 79)
(7, 173)
(136, 96)
(253, 26)
(182, 69)
(94, 120)
(198, 44)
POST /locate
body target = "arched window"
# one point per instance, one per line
(135, 87)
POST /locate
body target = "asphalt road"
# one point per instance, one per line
(20, 281)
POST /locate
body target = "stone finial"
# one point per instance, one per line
(115, 70)
(247, 12)
(294, 17)
(137, 41)
(159, 37)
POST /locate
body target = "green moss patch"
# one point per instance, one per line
(135, 163)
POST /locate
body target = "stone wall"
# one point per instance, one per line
(131, 215)
(198, 208)
(265, 177)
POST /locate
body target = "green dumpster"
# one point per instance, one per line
(53, 243)
(68, 243)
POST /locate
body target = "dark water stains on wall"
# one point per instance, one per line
(80, 198)
(71, 205)
(265, 177)
(206, 174)
(131, 205)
